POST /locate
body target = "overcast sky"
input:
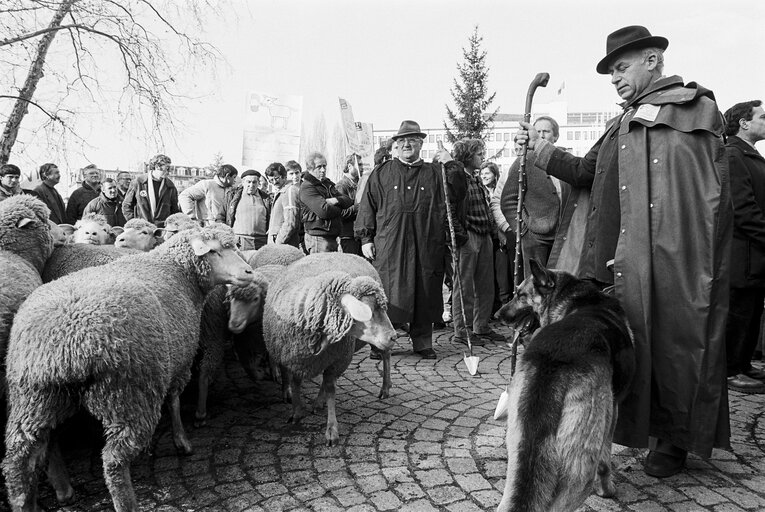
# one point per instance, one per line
(396, 59)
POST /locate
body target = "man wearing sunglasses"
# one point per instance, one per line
(321, 205)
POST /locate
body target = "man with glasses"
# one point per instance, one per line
(203, 201)
(123, 184)
(152, 196)
(322, 206)
(402, 227)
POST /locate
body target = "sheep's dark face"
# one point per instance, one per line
(245, 305)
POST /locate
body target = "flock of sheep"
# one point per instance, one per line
(115, 330)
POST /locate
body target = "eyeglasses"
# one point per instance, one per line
(322, 166)
(410, 140)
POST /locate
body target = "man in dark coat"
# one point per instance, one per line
(91, 187)
(48, 194)
(107, 204)
(660, 216)
(402, 225)
(152, 196)
(321, 205)
(745, 126)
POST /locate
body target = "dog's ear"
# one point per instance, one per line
(544, 280)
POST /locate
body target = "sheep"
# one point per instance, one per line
(232, 313)
(58, 233)
(313, 314)
(139, 234)
(116, 340)
(73, 257)
(25, 243)
(178, 222)
(93, 229)
(273, 254)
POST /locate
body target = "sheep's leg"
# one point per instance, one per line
(328, 385)
(298, 408)
(182, 443)
(128, 430)
(203, 385)
(31, 418)
(321, 398)
(386, 384)
(286, 390)
(57, 474)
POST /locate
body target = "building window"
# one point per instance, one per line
(506, 136)
(490, 137)
(577, 135)
(569, 136)
(431, 139)
(438, 138)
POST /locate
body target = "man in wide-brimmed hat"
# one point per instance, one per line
(660, 217)
(402, 225)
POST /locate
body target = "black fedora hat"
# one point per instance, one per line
(629, 38)
(408, 127)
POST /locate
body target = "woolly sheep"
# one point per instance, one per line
(178, 222)
(232, 313)
(313, 314)
(25, 243)
(73, 257)
(58, 233)
(93, 229)
(273, 254)
(117, 340)
(139, 234)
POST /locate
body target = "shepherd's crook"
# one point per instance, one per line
(539, 81)
(471, 361)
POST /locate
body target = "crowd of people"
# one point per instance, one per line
(666, 212)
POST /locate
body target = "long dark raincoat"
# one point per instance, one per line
(671, 269)
(402, 211)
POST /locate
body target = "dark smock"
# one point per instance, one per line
(402, 211)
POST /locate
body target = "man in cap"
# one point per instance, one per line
(659, 230)
(402, 226)
(152, 196)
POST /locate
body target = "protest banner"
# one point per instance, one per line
(271, 129)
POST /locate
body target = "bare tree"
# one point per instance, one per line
(339, 148)
(152, 40)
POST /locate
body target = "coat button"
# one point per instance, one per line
(651, 205)
(618, 274)
(624, 187)
(656, 160)
(409, 188)
(624, 146)
(564, 238)
(624, 231)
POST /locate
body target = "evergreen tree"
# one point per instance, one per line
(471, 98)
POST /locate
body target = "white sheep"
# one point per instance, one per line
(25, 243)
(313, 314)
(273, 254)
(116, 340)
(93, 229)
(70, 258)
(139, 234)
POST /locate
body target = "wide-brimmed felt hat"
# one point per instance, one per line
(629, 38)
(409, 127)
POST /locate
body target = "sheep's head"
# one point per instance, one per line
(25, 230)
(273, 254)
(139, 234)
(93, 229)
(60, 233)
(339, 305)
(210, 253)
(177, 222)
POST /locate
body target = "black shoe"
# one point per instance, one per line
(744, 384)
(475, 340)
(426, 353)
(663, 465)
(492, 335)
(755, 373)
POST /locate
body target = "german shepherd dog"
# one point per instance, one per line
(562, 405)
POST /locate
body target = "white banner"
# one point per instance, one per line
(360, 141)
(271, 129)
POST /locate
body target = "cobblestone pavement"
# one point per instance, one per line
(432, 445)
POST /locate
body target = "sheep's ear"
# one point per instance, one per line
(25, 222)
(117, 230)
(159, 232)
(357, 309)
(199, 246)
(68, 229)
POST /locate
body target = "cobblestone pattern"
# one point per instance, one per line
(432, 445)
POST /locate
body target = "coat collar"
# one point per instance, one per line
(310, 178)
(745, 148)
(655, 91)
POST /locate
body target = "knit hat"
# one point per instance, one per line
(250, 172)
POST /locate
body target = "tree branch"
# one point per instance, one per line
(53, 117)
